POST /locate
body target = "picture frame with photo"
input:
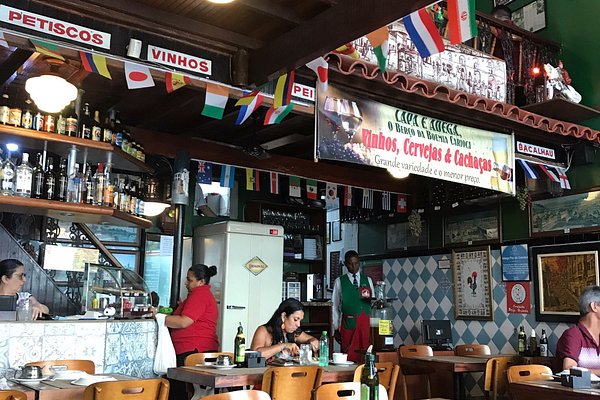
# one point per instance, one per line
(336, 231)
(472, 284)
(561, 272)
(399, 236)
(474, 228)
(577, 213)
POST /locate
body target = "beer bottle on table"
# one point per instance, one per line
(544, 344)
(533, 343)
(522, 341)
(50, 181)
(369, 381)
(38, 178)
(324, 350)
(239, 346)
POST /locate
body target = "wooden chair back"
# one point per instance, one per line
(496, 381)
(142, 389)
(77, 365)
(292, 383)
(239, 395)
(345, 391)
(201, 358)
(387, 373)
(414, 350)
(530, 372)
(472, 350)
(12, 395)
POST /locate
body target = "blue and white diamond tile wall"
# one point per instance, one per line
(426, 292)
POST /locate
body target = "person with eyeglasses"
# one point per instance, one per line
(12, 279)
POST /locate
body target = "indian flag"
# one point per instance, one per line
(461, 20)
(276, 115)
(381, 48)
(216, 100)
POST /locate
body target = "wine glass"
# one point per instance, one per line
(351, 117)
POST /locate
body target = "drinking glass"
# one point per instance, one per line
(305, 354)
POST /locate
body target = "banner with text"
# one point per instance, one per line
(367, 132)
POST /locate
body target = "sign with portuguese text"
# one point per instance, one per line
(363, 131)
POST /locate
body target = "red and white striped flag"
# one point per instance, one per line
(274, 182)
(401, 204)
(348, 196)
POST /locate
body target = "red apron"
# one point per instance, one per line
(356, 339)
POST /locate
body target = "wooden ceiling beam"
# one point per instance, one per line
(273, 10)
(342, 23)
(13, 63)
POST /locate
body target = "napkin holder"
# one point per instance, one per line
(577, 379)
(254, 359)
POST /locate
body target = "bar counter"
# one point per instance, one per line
(116, 346)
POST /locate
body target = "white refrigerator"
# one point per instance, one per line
(247, 287)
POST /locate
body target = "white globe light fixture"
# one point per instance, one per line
(154, 208)
(398, 173)
(220, 1)
(51, 93)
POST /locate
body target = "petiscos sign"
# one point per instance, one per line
(366, 132)
(54, 27)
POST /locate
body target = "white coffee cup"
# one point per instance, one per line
(340, 358)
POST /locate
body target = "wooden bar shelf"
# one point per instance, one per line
(73, 212)
(92, 150)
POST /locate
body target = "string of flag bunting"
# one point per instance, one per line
(534, 170)
(393, 202)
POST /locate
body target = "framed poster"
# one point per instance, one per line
(577, 213)
(515, 263)
(531, 17)
(480, 227)
(336, 231)
(472, 284)
(399, 236)
(561, 273)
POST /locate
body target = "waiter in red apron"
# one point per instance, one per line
(351, 299)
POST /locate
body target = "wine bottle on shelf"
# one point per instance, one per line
(37, 190)
(72, 123)
(85, 125)
(38, 122)
(49, 123)
(24, 180)
(96, 127)
(4, 109)
(107, 197)
(8, 177)
(62, 181)
(239, 346)
(61, 125)
(117, 131)
(50, 181)
(107, 131)
(89, 184)
(26, 119)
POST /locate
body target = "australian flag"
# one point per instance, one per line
(204, 174)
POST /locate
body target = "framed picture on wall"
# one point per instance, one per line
(476, 228)
(472, 284)
(336, 231)
(531, 17)
(561, 272)
(577, 213)
(502, 2)
(399, 236)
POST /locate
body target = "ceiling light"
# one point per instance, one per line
(51, 93)
(398, 173)
(153, 208)
(12, 146)
(220, 1)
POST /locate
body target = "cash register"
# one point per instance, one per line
(8, 307)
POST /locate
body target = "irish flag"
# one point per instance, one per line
(461, 20)
(276, 115)
(381, 48)
(216, 100)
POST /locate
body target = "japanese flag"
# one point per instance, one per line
(138, 76)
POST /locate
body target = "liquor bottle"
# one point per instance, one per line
(107, 133)
(124, 196)
(117, 193)
(38, 122)
(522, 339)
(72, 123)
(99, 182)
(14, 116)
(61, 125)
(62, 181)
(96, 127)
(85, 124)
(369, 381)
(26, 119)
(89, 184)
(24, 177)
(544, 344)
(533, 348)
(4, 109)
(239, 346)
(37, 190)
(107, 197)
(126, 141)
(8, 177)
(117, 131)
(382, 336)
(50, 181)
(49, 123)
(74, 185)
(324, 350)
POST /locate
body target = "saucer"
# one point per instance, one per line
(69, 374)
(223, 366)
(342, 364)
(30, 380)
(91, 379)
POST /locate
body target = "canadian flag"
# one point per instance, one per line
(138, 76)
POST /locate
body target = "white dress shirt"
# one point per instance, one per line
(336, 297)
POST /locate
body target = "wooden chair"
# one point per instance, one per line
(292, 383)
(142, 389)
(201, 358)
(12, 395)
(530, 372)
(414, 350)
(77, 365)
(496, 382)
(472, 350)
(345, 391)
(240, 395)
(387, 373)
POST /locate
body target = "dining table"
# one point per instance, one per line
(551, 390)
(456, 365)
(235, 377)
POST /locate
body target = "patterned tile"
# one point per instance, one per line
(113, 350)
(32, 329)
(58, 347)
(22, 350)
(59, 329)
(91, 348)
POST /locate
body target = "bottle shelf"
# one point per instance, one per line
(73, 212)
(60, 144)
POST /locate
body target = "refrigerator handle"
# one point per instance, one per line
(236, 307)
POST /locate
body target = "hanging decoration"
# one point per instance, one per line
(47, 49)
(174, 81)
(330, 192)
(381, 47)
(276, 115)
(401, 204)
(423, 33)
(295, 190)
(461, 20)
(248, 104)
(386, 201)
(274, 182)
(252, 180)
(321, 68)
(227, 176)
(348, 49)
(216, 100)
(94, 63)
(348, 196)
(367, 199)
(204, 174)
(311, 189)
(138, 76)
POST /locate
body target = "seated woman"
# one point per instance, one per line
(579, 346)
(12, 279)
(281, 335)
